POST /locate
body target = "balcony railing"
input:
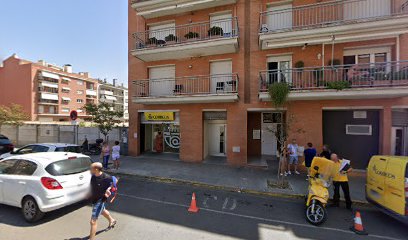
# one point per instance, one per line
(195, 32)
(187, 86)
(330, 14)
(387, 74)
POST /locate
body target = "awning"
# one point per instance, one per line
(91, 92)
(66, 88)
(79, 110)
(66, 79)
(48, 96)
(66, 99)
(107, 97)
(48, 84)
(49, 75)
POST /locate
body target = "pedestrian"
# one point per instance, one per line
(284, 161)
(101, 184)
(293, 149)
(310, 152)
(340, 179)
(116, 155)
(158, 142)
(326, 153)
(105, 154)
(85, 145)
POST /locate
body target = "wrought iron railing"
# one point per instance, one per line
(386, 74)
(192, 85)
(329, 14)
(194, 32)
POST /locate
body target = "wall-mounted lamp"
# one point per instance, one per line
(190, 66)
(319, 56)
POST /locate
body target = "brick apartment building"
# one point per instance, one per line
(48, 93)
(199, 72)
(115, 94)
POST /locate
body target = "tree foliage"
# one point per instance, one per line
(104, 116)
(278, 93)
(13, 114)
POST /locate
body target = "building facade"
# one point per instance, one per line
(48, 93)
(199, 72)
(115, 94)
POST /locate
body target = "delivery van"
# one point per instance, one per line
(387, 185)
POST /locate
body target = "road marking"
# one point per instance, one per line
(208, 198)
(224, 206)
(255, 218)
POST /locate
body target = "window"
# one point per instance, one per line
(69, 166)
(51, 109)
(7, 167)
(65, 90)
(26, 150)
(40, 109)
(80, 92)
(359, 130)
(80, 82)
(73, 149)
(25, 168)
(40, 148)
(65, 110)
(80, 101)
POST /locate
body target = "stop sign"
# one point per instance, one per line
(73, 115)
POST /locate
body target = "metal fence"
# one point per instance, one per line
(386, 74)
(330, 13)
(191, 85)
(194, 32)
(53, 133)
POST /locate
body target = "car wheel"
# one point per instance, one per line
(30, 209)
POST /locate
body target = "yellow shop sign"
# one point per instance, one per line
(159, 116)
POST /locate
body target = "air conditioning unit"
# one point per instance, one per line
(264, 28)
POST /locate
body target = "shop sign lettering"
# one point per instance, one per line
(159, 116)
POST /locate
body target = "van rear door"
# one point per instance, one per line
(375, 188)
(395, 185)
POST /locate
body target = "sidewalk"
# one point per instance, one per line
(225, 177)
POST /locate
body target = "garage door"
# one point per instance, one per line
(353, 135)
(162, 80)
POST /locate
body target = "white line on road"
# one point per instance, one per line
(255, 218)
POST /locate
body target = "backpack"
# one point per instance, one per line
(114, 188)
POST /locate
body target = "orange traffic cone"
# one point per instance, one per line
(358, 225)
(193, 206)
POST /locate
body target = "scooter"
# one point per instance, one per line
(318, 193)
(94, 148)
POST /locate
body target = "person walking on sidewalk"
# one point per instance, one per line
(105, 154)
(116, 155)
(100, 192)
(325, 152)
(293, 149)
(340, 179)
(310, 152)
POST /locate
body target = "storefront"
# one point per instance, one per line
(160, 132)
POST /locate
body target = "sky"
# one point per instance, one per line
(91, 35)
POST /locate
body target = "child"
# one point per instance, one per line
(116, 155)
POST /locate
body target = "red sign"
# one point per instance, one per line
(73, 115)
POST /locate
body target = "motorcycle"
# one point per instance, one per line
(321, 172)
(94, 148)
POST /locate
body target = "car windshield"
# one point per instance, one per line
(69, 166)
(73, 149)
(4, 141)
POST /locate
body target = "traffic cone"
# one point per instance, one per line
(358, 225)
(193, 206)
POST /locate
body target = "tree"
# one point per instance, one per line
(104, 116)
(13, 115)
(278, 92)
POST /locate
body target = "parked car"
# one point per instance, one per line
(387, 185)
(44, 147)
(42, 182)
(5, 145)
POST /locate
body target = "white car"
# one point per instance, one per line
(44, 147)
(42, 182)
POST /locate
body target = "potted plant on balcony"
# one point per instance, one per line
(171, 39)
(215, 31)
(338, 85)
(191, 36)
(152, 41)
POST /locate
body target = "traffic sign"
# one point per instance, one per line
(73, 115)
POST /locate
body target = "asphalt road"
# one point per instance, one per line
(151, 210)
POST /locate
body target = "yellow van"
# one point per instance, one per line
(387, 185)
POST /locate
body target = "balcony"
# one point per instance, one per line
(158, 8)
(192, 89)
(361, 81)
(346, 21)
(190, 40)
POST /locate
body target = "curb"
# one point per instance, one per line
(223, 188)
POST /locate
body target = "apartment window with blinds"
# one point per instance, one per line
(80, 101)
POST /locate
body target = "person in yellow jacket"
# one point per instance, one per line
(340, 179)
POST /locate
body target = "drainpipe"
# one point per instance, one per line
(323, 54)
(397, 51)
